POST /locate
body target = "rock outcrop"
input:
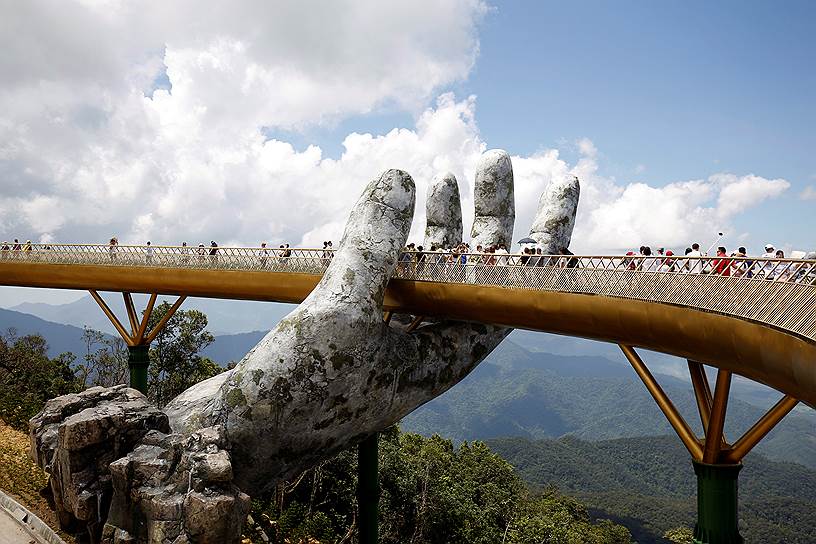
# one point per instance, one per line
(76, 437)
(176, 489)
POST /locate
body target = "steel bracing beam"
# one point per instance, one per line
(131, 312)
(716, 424)
(129, 340)
(702, 391)
(140, 334)
(160, 325)
(664, 403)
(761, 428)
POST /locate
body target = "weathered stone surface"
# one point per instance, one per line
(494, 200)
(75, 437)
(553, 225)
(443, 211)
(178, 489)
(332, 372)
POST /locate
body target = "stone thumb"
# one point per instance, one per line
(376, 232)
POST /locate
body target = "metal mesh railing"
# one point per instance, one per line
(777, 292)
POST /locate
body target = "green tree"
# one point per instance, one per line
(175, 359)
(28, 377)
(105, 361)
(679, 535)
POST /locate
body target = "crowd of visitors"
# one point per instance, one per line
(737, 263)
(770, 265)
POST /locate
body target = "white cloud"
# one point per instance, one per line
(809, 193)
(85, 155)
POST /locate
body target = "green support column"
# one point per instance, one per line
(717, 513)
(368, 489)
(138, 360)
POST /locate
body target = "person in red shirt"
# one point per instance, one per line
(721, 265)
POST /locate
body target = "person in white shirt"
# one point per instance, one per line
(767, 267)
(694, 265)
(650, 264)
(503, 259)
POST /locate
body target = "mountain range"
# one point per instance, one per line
(224, 316)
(535, 395)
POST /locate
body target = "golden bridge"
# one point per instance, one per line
(747, 316)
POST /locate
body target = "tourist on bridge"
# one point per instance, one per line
(782, 271)
(213, 253)
(694, 264)
(28, 247)
(741, 267)
(667, 264)
(420, 259)
(112, 248)
(149, 252)
(265, 254)
(17, 246)
(649, 263)
(185, 253)
(767, 268)
(721, 265)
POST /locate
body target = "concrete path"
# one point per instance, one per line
(19, 526)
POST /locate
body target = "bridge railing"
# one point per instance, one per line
(309, 261)
(779, 292)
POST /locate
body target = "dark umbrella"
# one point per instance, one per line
(527, 241)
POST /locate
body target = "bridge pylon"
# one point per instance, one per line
(138, 339)
(716, 462)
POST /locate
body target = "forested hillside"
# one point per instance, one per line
(648, 484)
(516, 392)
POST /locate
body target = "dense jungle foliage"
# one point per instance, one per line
(432, 492)
(648, 484)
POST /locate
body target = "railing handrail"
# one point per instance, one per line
(107, 247)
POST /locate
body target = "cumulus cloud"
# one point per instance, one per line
(90, 148)
(809, 193)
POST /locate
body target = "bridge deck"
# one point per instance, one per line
(755, 326)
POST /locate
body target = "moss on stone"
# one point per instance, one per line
(235, 397)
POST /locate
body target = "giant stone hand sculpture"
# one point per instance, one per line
(329, 375)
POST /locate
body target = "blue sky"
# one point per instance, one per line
(667, 91)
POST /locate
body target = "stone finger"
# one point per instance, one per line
(376, 231)
(552, 227)
(494, 200)
(443, 210)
